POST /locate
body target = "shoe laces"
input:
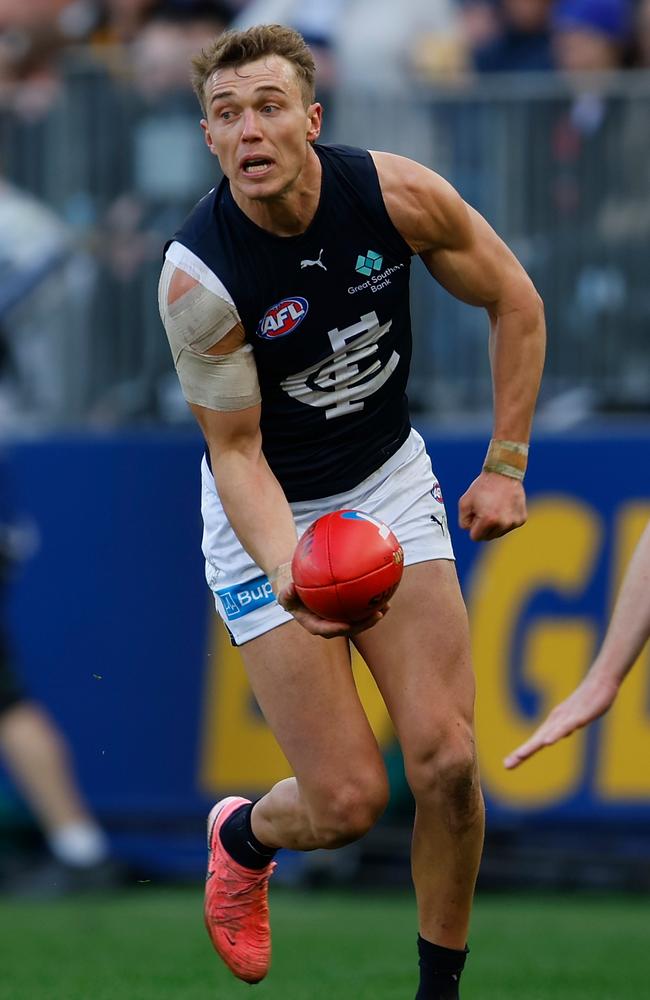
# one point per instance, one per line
(239, 895)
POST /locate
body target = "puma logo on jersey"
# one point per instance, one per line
(311, 263)
(340, 383)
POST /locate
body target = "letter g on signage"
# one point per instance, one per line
(556, 552)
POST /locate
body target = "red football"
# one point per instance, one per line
(347, 565)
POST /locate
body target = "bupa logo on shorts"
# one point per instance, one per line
(243, 598)
(369, 262)
(282, 318)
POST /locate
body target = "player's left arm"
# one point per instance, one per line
(465, 255)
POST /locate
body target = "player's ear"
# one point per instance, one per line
(208, 136)
(315, 121)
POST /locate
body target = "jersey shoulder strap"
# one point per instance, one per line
(357, 180)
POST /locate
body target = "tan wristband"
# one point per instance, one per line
(278, 571)
(507, 458)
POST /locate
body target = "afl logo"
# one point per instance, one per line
(282, 318)
(436, 493)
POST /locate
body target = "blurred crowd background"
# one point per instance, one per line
(538, 111)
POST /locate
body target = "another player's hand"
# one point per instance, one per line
(590, 700)
(492, 506)
(286, 595)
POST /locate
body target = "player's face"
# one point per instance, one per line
(258, 126)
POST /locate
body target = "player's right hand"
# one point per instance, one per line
(590, 700)
(492, 506)
(286, 595)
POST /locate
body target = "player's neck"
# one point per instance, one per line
(291, 212)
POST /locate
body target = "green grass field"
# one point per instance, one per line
(149, 944)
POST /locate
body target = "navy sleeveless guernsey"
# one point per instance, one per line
(327, 313)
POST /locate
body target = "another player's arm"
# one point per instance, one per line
(466, 256)
(223, 394)
(628, 631)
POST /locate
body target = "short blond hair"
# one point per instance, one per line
(235, 48)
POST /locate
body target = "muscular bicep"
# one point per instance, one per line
(477, 267)
(457, 245)
(214, 364)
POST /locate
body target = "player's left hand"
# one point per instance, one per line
(492, 506)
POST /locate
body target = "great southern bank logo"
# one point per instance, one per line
(282, 318)
(371, 262)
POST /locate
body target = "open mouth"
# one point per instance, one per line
(256, 166)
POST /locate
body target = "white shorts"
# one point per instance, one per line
(403, 492)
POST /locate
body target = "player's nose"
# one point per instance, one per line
(251, 128)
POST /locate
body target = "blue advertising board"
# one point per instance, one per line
(115, 632)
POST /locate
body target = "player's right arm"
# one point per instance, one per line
(217, 373)
(628, 631)
(465, 255)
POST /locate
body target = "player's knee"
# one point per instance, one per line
(445, 774)
(460, 786)
(349, 809)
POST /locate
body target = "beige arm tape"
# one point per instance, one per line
(508, 458)
(194, 323)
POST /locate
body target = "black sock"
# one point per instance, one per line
(241, 843)
(440, 970)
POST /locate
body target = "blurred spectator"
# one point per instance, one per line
(523, 39)
(442, 56)
(29, 46)
(479, 23)
(165, 168)
(641, 54)
(590, 35)
(589, 173)
(171, 165)
(365, 44)
(36, 755)
(174, 31)
(589, 38)
(375, 42)
(626, 216)
(44, 283)
(26, 14)
(124, 25)
(118, 21)
(32, 37)
(317, 21)
(126, 160)
(368, 55)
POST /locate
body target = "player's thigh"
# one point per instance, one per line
(420, 657)
(306, 691)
